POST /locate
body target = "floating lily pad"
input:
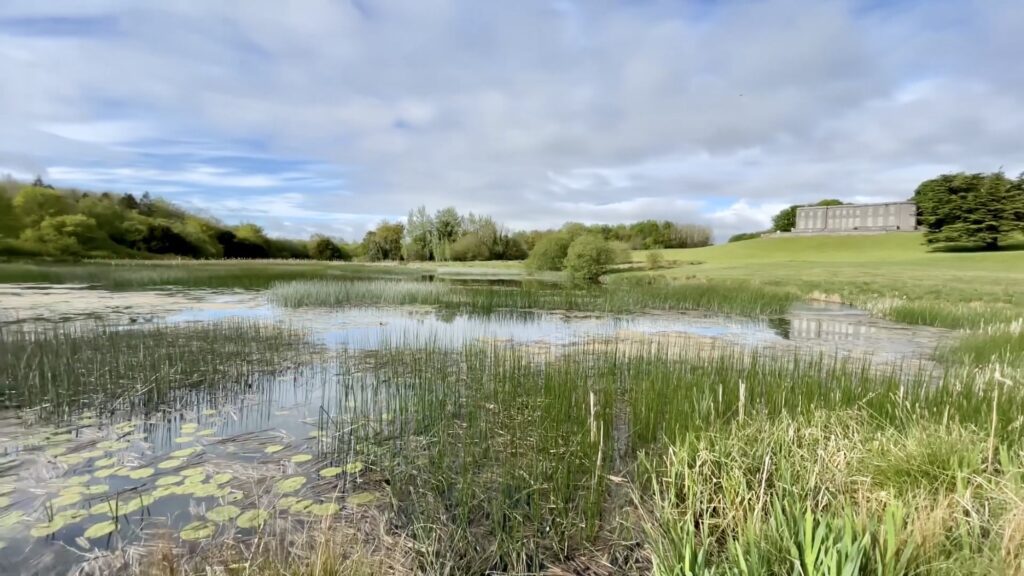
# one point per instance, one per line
(71, 459)
(361, 498)
(290, 484)
(141, 473)
(209, 412)
(76, 480)
(325, 509)
(207, 432)
(66, 500)
(72, 490)
(6, 489)
(100, 529)
(232, 496)
(193, 472)
(11, 518)
(172, 463)
(71, 516)
(223, 513)
(168, 480)
(354, 467)
(97, 489)
(222, 478)
(252, 518)
(102, 508)
(314, 434)
(163, 491)
(46, 528)
(92, 454)
(273, 448)
(124, 427)
(55, 451)
(108, 471)
(300, 458)
(198, 530)
(332, 471)
(5, 501)
(200, 490)
(286, 502)
(105, 462)
(184, 439)
(184, 452)
(189, 428)
(300, 506)
(111, 445)
(195, 478)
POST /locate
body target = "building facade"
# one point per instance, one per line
(848, 218)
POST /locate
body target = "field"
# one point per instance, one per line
(259, 446)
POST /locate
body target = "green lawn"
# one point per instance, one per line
(860, 268)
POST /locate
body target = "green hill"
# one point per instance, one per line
(863, 269)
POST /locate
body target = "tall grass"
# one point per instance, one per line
(499, 460)
(747, 299)
(59, 369)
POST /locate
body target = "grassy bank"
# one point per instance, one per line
(895, 275)
(724, 297)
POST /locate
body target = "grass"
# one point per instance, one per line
(59, 370)
(499, 461)
(894, 274)
(723, 297)
(121, 274)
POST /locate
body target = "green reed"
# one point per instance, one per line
(746, 299)
(59, 369)
(497, 459)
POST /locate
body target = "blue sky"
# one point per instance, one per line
(330, 115)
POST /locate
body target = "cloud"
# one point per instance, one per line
(536, 112)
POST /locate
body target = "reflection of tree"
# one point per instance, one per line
(781, 326)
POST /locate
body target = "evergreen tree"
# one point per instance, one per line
(971, 208)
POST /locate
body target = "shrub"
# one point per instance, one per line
(470, 247)
(323, 248)
(654, 259)
(65, 235)
(589, 257)
(744, 236)
(549, 253)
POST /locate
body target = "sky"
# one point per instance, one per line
(329, 116)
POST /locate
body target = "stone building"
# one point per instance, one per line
(849, 218)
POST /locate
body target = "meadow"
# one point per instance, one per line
(647, 457)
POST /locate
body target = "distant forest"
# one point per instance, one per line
(39, 220)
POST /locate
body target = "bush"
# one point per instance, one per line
(323, 248)
(470, 247)
(589, 257)
(65, 235)
(549, 253)
(655, 259)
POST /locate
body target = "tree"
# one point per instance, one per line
(971, 208)
(447, 229)
(549, 253)
(588, 257)
(35, 204)
(10, 222)
(419, 233)
(323, 248)
(68, 235)
(384, 242)
(470, 247)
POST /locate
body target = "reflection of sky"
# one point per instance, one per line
(368, 328)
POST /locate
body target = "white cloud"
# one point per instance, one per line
(536, 112)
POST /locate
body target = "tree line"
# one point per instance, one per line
(39, 220)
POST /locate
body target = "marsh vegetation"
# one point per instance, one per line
(255, 445)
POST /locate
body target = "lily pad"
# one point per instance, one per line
(110, 445)
(193, 472)
(46, 528)
(76, 480)
(273, 448)
(168, 480)
(361, 498)
(222, 478)
(6, 489)
(102, 508)
(286, 501)
(172, 463)
(252, 518)
(141, 473)
(233, 496)
(325, 509)
(300, 506)
(189, 427)
(66, 500)
(97, 489)
(300, 458)
(105, 462)
(100, 529)
(209, 412)
(195, 478)
(108, 471)
(72, 490)
(71, 516)
(290, 484)
(207, 432)
(184, 439)
(55, 451)
(124, 427)
(331, 472)
(184, 452)
(198, 530)
(223, 513)
(11, 518)
(354, 467)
